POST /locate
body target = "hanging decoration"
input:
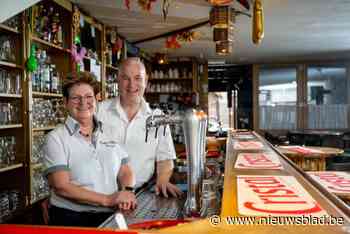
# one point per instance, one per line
(258, 22)
(32, 62)
(146, 5)
(76, 21)
(165, 8)
(188, 36)
(78, 53)
(118, 45)
(244, 3)
(220, 2)
(172, 43)
(127, 4)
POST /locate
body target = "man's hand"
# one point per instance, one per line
(165, 186)
(126, 200)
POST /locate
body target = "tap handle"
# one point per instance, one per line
(164, 130)
(156, 132)
(146, 135)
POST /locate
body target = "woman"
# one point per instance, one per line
(83, 162)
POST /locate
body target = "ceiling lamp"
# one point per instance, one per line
(223, 34)
(221, 16)
(223, 47)
(161, 58)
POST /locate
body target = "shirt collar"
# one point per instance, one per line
(73, 125)
(117, 107)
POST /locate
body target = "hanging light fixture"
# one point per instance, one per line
(161, 58)
(223, 47)
(223, 34)
(221, 16)
(258, 22)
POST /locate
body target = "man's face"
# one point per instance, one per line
(81, 103)
(132, 82)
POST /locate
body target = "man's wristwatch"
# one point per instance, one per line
(129, 188)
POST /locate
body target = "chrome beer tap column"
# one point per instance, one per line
(194, 124)
(195, 127)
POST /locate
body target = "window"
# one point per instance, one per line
(218, 111)
(277, 98)
(327, 97)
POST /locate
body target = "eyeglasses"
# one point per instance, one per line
(79, 99)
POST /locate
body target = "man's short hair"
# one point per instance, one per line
(128, 60)
(80, 78)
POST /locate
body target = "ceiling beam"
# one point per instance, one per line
(168, 34)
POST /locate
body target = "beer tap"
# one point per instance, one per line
(194, 124)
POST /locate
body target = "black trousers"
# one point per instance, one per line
(64, 217)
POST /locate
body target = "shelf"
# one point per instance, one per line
(35, 166)
(41, 94)
(112, 67)
(9, 29)
(8, 95)
(10, 126)
(41, 41)
(10, 167)
(44, 128)
(10, 64)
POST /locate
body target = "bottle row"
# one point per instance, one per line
(14, 22)
(172, 73)
(10, 82)
(47, 112)
(7, 49)
(9, 113)
(170, 87)
(7, 150)
(10, 200)
(48, 24)
(37, 153)
(46, 78)
(40, 186)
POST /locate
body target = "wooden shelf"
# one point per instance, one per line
(42, 94)
(10, 64)
(10, 167)
(44, 128)
(41, 41)
(8, 95)
(112, 67)
(9, 29)
(10, 126)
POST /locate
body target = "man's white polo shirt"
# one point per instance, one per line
(93, 166)
(131, 135)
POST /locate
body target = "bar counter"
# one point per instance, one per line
(252, 159)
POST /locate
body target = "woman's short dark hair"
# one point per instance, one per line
(80, 78)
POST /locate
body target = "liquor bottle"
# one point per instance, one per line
(54, 79)
(55, 27)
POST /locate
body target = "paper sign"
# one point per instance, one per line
(258, 161)
(301, 149)
(248, 145)
(337, 182)
(275, 196)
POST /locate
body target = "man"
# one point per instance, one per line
(129, 112)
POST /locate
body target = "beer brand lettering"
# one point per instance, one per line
(248, 145)
(274, 195)
(334, 181)
(257, 161)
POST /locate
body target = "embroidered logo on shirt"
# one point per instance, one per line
(109, 143)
